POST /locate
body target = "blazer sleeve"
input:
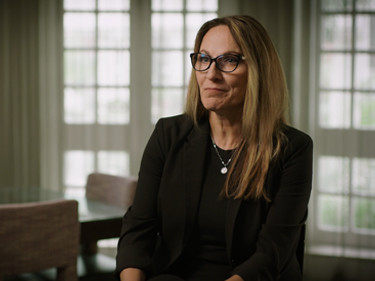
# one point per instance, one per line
(139, 227)
(290, 184)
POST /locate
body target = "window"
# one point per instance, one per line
(174, 26)
(126, 65)
(344, 191)
(96, 87)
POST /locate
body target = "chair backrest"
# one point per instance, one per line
(115, 190)
(38, 236)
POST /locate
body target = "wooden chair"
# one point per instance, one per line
(110, 189)
(113, 190)
(38, 236)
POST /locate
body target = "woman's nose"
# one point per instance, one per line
(213, 72)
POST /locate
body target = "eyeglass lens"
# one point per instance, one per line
(227, 63)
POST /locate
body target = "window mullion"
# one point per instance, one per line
(140, 79)
(96, 84)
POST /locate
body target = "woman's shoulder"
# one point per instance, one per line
(176, 123)
(173, 131)
(175, 120)
(296, 139)
(295, 135)
(174, 128)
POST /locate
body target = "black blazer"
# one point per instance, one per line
(261, 237)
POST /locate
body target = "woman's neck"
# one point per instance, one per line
(225, 132)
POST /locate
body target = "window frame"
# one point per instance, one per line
(336, 241)
(131, 137)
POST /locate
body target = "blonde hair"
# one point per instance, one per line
(264, 108)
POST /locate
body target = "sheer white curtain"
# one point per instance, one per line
(50, 91)
(30, 92)
(19, 94)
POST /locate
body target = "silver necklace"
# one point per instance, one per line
(224, 169)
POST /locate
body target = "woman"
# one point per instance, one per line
(223, 189)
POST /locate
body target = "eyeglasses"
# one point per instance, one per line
(225, 63)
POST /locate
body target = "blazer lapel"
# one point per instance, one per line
(232, 210)
(195, 151)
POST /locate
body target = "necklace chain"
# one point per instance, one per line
(223, 170)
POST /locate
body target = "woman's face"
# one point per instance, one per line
(221, 92)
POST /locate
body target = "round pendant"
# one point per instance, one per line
(224, 170)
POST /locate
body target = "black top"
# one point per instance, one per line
(206, 255)
(210, 231)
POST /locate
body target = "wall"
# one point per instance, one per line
(30, 93)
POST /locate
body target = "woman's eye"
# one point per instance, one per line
(204, 59)
(229, 59)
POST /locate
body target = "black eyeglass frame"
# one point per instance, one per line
(240, 58)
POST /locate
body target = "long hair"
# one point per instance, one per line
(264, 109)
